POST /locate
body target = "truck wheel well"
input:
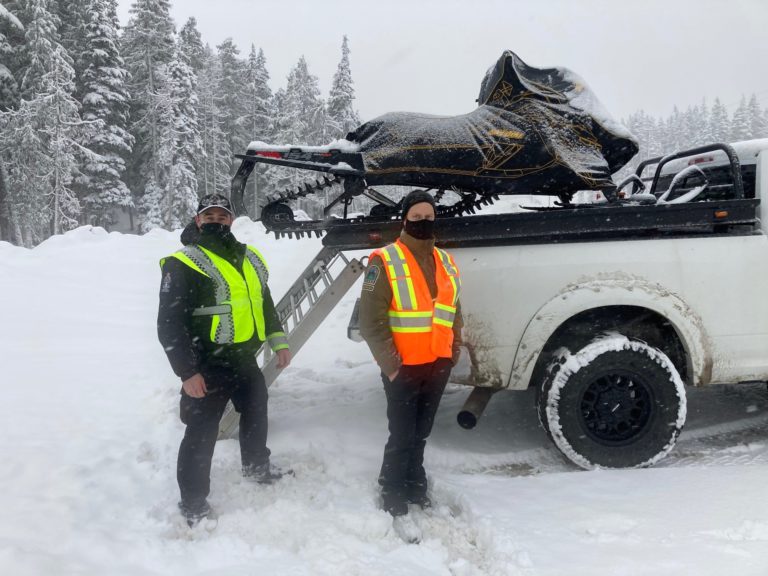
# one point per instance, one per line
(634, 322)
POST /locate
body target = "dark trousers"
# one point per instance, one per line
(412, 401)
(245, 386)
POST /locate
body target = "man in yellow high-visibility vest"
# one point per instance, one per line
(215, 312)
(410, 318)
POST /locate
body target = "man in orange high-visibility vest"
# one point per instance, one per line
(410, 318)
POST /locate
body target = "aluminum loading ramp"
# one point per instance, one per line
(307, 303)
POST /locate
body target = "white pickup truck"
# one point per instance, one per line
(610, 312)
(608, 309)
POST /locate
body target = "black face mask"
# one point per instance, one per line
(420, 229)
(214, 229)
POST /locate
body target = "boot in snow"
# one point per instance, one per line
(194, 514)
(265, 473)
(407, 529)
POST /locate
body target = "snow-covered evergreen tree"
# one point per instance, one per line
(701, 132)
(11, 33)
(302, 114)
(170, 200)
(10, 27)
(64, 128)
(214, 176)
(676, 137)
(757, 125)
(147, 48)
(104, 98)
(72, 31)
(191, 45)
(342, 116)
(261, 114)
(260, 111)
(7, 22)
(41, 37)
(23, 151)
(741, 128)
(182, 197)
(301, 119)
(719, 122)
(40, 140)
(234, 98)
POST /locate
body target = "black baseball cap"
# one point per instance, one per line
(214, 201)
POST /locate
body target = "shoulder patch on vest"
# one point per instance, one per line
(371, 275)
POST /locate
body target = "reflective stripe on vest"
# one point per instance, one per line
(399, 273)
(453, 274)
(422, 329)
(238, 312)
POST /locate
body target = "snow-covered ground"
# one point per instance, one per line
(90, 433)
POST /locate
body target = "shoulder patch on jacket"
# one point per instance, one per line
(371, 275)
(166, 285)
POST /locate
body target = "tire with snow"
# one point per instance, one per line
(616, 403)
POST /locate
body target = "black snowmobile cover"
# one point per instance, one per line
(535, 131)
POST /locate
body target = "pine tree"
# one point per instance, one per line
(697, 125)
(764, 134)
(105, 99)
(7, 21)
(11, 31)
(24, 156)
(41, 38)
(191, 45)
(678, 134)
(260, 111)
(301, 120)
(40, 140)
(46, 76)
(186, 143)
(234, 98)
(303, 116)
(757, 126)
(214, 176)
(10, 26)
(195, 54)
(261, 126)
(719, 122)
(73, 18)
(64, 128)
(342, 117)
(148, 46)
(740, 126)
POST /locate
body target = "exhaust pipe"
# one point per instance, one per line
(474, 406)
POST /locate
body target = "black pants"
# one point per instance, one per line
(245, 386)
(412, 401)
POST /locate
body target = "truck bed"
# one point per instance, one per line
(577, 224)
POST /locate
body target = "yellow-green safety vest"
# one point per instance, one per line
(239, 310)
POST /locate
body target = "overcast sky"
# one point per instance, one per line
(430, 55)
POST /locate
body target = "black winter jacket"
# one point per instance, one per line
(186, 338)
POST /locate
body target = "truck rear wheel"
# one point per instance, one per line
(616, 403)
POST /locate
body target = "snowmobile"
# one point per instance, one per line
(535, 131)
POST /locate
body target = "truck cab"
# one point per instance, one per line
(664, 289)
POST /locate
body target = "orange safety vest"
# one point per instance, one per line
(422, 329)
